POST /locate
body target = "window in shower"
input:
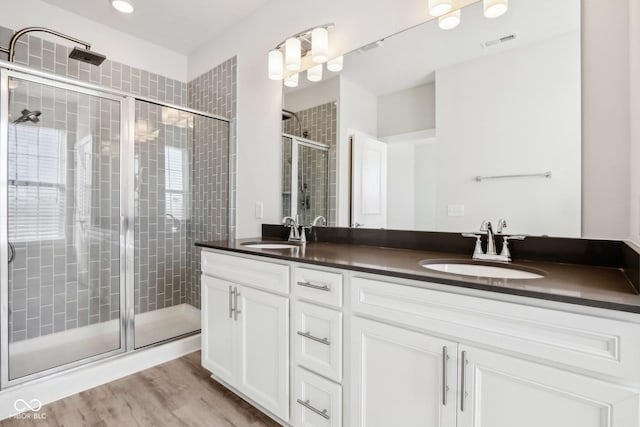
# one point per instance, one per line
(36, 183)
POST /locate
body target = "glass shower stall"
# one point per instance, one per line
(102, 195)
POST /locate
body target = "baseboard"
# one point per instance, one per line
(63, 384)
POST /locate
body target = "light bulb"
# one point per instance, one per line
(314, 74)
(276, 68)
(124, 6)
(450, 20)
(291, 81)
(495, 8)
(440, 7)
(319, 45)
(292, 51)
(335, 64)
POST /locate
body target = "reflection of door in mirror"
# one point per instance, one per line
(309, 163)
(369, 181)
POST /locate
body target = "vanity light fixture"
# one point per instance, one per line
(308, 50)
(292, 54)
(123, 6)
(335, 64)
(292, 80)
(319, 45)
(276, 67)
(449, 21)
(314, 74)
(440, 7)
(495, 8)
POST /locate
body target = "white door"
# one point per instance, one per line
(401, 377)
(503, 391)
(263, 322)
(218, 332)
(369, 182)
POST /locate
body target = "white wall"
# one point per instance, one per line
(358, 22)
(426, 160)
(605, 119)
(507, 114)
(357, 110)
(117, 46)
(408, 110)
(401, 187)
(311, 96)
(634, 57)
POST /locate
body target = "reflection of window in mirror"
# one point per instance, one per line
(37, 165)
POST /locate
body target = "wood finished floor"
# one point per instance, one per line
(177, 393)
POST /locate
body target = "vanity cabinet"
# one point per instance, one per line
(401, 377)
(245, 336)
(504, 391)
(505, 380)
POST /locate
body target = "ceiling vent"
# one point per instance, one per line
(371, 46)
(501, 40)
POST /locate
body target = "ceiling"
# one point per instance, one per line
(181, 26)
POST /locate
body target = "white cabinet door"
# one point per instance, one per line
(263, 322)
(218, 336)
(503, 391)
(399, 377)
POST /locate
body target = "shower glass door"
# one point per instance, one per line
(61, 237)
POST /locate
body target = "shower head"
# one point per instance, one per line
(84, 55)
(87, 55)
(28, 116)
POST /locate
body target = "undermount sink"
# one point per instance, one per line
(270, 245)
(470, 268)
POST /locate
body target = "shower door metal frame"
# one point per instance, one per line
(127, 210)
(5, 75)
(296, 142)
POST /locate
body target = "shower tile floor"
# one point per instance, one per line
(38, 354)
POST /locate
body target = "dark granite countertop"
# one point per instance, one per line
(602, 287)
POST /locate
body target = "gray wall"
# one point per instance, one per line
(213, 92)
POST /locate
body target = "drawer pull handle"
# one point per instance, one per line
(308, 335)
(314, 286)
(236, 294)
(231, 293)
(307, 405)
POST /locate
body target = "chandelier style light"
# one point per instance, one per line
(308, 50)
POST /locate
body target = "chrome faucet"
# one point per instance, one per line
(318, 219)
(295, 235)
(491, 254)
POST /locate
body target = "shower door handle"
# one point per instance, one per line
(12, 253)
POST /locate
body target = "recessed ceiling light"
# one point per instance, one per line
(124, 6)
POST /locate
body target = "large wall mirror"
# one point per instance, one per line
(439, 130)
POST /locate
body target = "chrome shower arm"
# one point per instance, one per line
(12, 44)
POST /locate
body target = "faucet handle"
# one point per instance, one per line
(506, 253)
(477, 250)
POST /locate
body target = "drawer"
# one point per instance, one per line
(590, 343)
(318, 337)
(324, 287)
(317, 401)
(247, 271)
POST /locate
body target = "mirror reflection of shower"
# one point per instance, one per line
(305, 172)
